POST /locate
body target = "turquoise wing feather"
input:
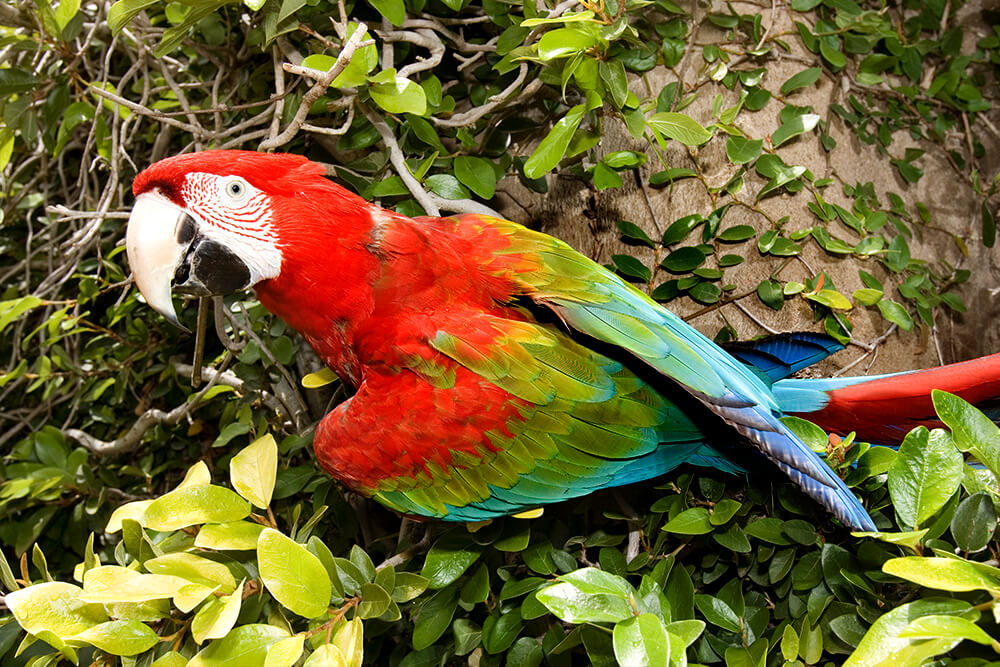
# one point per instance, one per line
(596, 302)
(586, 423)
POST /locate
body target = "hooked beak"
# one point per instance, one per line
(154, 247)
(168, 251)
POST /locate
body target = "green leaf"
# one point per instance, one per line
(641, 641)
(803, 79)
(974, 522)
(399, 95)
(771, 293)
(680, 127)
(295, 577)
(680, 229)
(794, 127)
(253, 470)
(613, 74)
(123, 11)
(882, 643)
(717, 612)
(350, 639)
(55, 607)
(925, 474)
(830, 298)
(447, 186)
(192, 505)
(434, 617)
(909, 173)
(620, 160)
(243, 646)
(374, 601)
(973, 431)
(707, 293)
(217, 617)
(565, 42)
(670, 175)
(631, 267)
(867, 296)
(477, 174)
(736, 234)
(946, 574)
(683, 260)
(552, 148)
(119, 637)
(946, 627)
(605, 177)
(14, 308)
(235, 535)
(326, 655)
(572, 605)
(741, 150)
(193, 568)
(594, 581)
(989, 225)
(694, 521)
(364, 60)
(408, 586)
(449, 558)
(285, 652)
(634, 232)
(896, 313)
(500, 631)
(394, 10)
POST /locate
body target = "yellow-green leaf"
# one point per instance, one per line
(295, 577)
(119, 637)
(54, 606)
(254, 469)
(217, 617)
(188, 506)
(320, 378)
(233, 535)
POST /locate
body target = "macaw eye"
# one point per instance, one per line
(235, 189)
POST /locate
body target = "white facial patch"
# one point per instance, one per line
(238, 216)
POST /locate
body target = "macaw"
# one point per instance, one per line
(496, 369)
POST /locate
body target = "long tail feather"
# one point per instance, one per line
(883, 408)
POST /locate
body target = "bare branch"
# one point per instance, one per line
(472, 115)
(398, 161)
(323, 82)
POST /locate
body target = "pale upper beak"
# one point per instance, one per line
(156, 246)
(169, 251)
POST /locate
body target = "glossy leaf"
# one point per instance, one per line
(243, 646)
(552, 148)
(295, 577)
(253, 471)
(641, 641)
(192, 505)
(680, 127)
(924, 476)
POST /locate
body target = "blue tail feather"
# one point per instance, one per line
(780, 355)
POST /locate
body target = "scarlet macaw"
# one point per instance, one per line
(497, 369)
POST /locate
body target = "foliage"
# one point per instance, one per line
(450, 105)
(198, 573)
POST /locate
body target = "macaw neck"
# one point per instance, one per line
(324, 289)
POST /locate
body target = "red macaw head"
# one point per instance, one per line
(217, 222)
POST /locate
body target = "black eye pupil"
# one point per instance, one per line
(235, 189)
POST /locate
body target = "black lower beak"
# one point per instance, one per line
(210, 269)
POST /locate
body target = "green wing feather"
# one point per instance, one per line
(586, 422)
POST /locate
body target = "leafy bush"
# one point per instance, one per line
(455, 106)
(207, 576)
